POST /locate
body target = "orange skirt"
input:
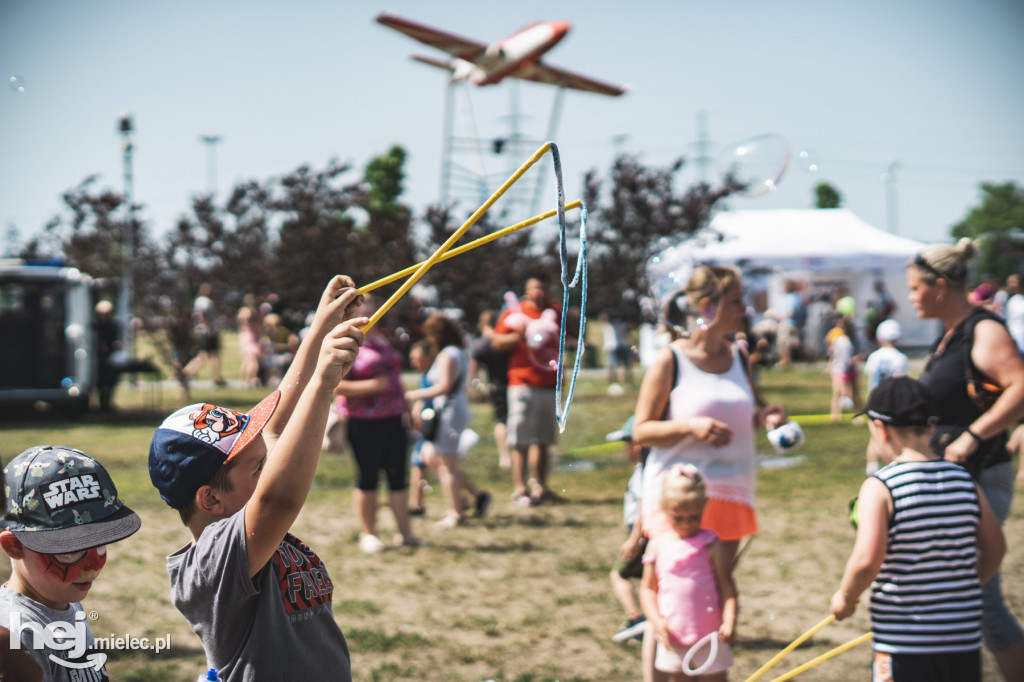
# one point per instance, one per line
(729, 520)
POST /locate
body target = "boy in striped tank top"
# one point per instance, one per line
(926, 542)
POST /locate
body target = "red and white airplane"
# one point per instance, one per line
(517, 56)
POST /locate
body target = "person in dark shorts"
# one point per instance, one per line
(495, 363)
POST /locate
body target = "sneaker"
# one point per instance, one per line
(634, 630)
(370, 544)
(483, 501)
(409, 541)
(417, 511)
(449, 520)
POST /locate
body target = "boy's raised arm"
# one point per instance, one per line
(289, 469)
(337, 303)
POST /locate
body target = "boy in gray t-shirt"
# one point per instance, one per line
(257, 596)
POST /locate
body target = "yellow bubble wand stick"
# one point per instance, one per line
(824, 657)
(810, 664)
(437, 255)
(795, 643)
(469, 247)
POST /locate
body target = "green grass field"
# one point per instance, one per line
(523, 594)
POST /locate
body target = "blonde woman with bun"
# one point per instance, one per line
(974, 342)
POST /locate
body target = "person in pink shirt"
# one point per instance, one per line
(687, 591)
(372, 398)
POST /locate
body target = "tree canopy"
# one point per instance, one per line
(288, 234)
(827, 196)
(997, 223)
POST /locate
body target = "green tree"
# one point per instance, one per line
(997, 224)
(385, 175)
(827, 196)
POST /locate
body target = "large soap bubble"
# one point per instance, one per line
(756, 165)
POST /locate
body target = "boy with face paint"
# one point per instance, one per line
(62, 511)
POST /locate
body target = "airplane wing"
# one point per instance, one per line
(457, 46)
(542, 73)
(434, 61)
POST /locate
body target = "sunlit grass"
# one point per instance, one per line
(521, 595)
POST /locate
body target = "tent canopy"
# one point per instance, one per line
(817, 248)
(815, 239)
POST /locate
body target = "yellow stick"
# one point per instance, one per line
(427, 264)
(468, 247)
(824, 657)
(796, 642)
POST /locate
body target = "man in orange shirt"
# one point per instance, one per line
(531, 395)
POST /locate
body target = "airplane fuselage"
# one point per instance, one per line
(507, 56)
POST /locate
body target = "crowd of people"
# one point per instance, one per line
(238, 481)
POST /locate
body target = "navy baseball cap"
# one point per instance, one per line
(61, 500)
(192, 444)
(900, 401)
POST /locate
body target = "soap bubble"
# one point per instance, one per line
(16, 83)
(755, 165)
(807, 160)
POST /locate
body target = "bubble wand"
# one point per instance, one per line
(437, 255)
(579, 277)
(469, 247)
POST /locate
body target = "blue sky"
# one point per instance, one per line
(936, 86)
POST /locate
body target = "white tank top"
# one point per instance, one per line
(730, 471)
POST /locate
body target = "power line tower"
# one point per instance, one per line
(467, 154)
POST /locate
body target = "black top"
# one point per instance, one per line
(945, 375)
(495, 361)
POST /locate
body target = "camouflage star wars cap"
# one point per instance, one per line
(62, 500)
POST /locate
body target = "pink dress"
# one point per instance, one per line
(688, 597)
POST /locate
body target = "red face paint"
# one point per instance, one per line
(93, 560)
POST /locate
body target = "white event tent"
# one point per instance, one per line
(817, 248)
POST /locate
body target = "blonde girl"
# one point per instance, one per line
(687, 591)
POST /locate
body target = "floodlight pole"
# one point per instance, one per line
(891, 198)
(125, 127)
(211, 161)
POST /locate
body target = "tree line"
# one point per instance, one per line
(289, 234)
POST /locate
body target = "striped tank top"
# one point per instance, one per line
(927, 597)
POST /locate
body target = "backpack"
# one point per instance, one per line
(981, 388)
